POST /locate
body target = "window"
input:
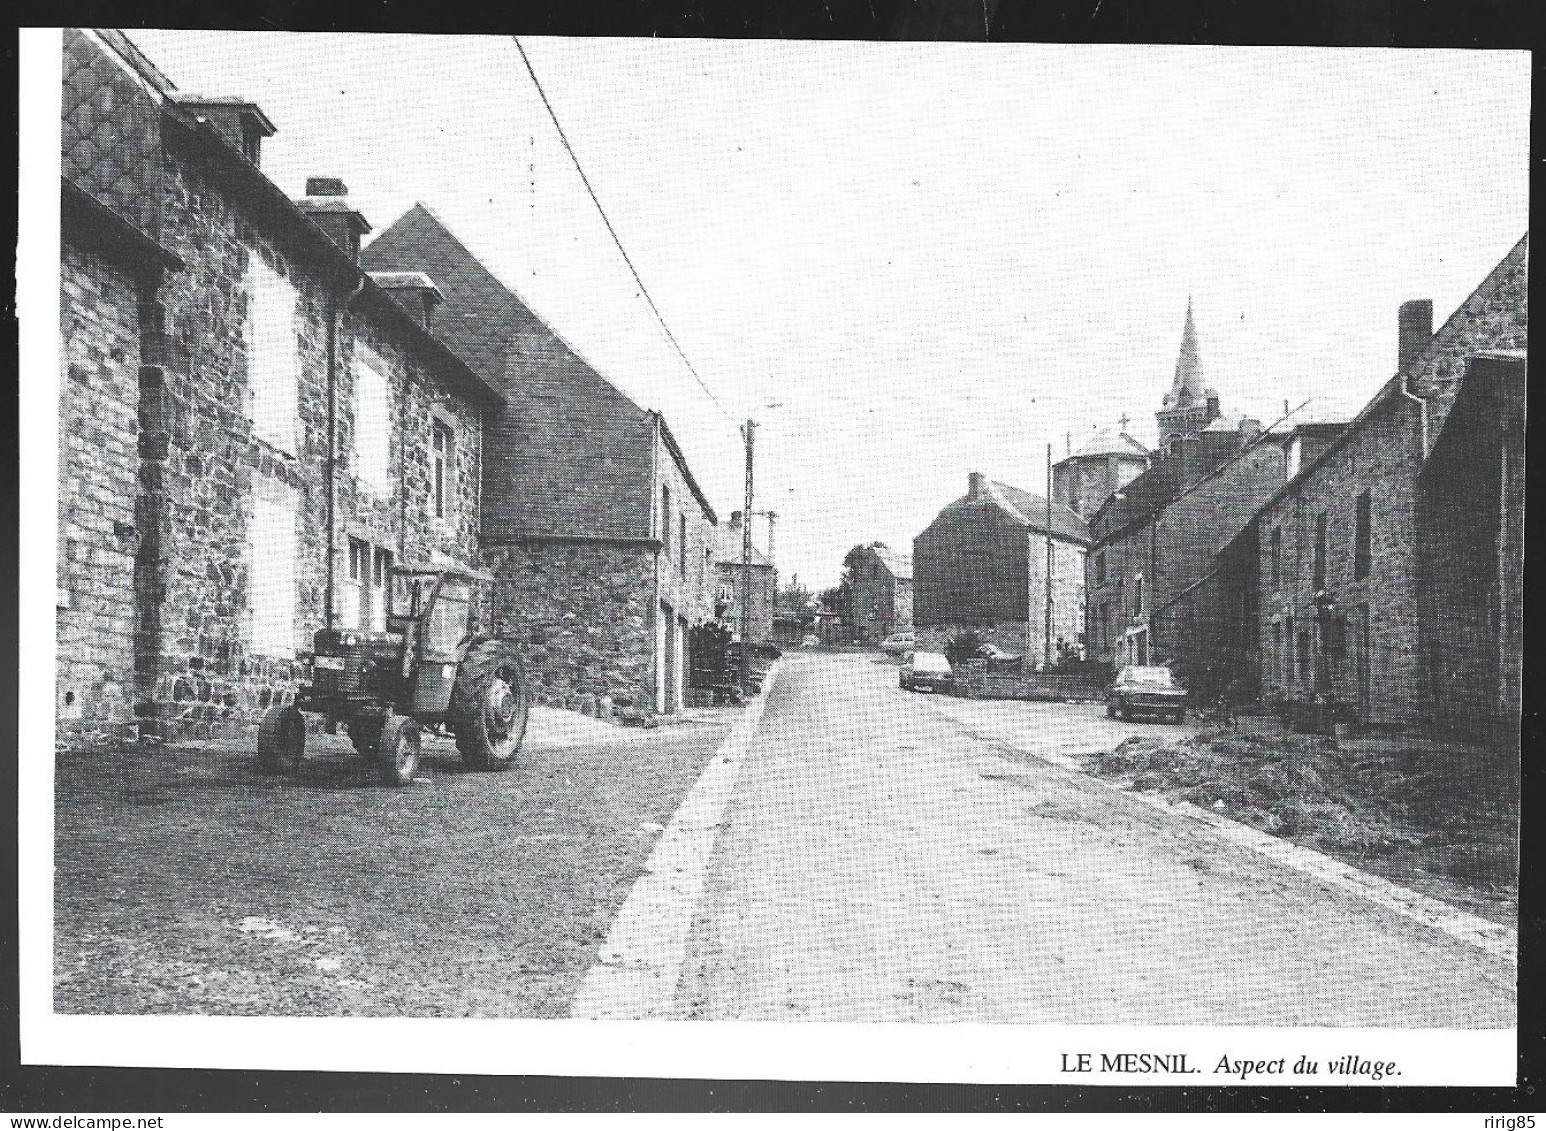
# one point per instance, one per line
(353, 611)
(273, 364)
(1138, 596)
(665, 518)
(372, 425)
(1320, 550)
(364, 604)
(1100, 568)
(1276, 658)
(443, 467)
(1361, 538)
(1288, 650)
(681, 545)
(271, 588)
(1277, 556)
(380, 578)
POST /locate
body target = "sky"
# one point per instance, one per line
(913, 261)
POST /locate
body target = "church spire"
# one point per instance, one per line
(1190, 405)
(1188, 387)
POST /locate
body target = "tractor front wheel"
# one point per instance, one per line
(489, 704)
(397, 751)
(281, 740)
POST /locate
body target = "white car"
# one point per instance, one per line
(898, 643)
(925, 671)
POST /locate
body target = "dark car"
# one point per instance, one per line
(1146, 691)
(925, 671)
(998, 659)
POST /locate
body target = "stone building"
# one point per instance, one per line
(601, 540)
(1156, 592)
(982, 564)
(1106, 462)
(729, 571)
(1150, 591)
(881, 593)
(1388, 566)
(257, 430)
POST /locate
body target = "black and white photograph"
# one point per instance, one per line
(767, 559)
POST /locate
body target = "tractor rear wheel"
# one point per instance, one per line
(281, 740)
(397, 751)
(489, 704)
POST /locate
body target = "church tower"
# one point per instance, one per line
(1188, 407)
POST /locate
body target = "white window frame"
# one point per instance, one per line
(351, 610)
(273, 355)
(442, 469)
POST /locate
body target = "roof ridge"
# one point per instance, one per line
(521, 299)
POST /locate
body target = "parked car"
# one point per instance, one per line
(925, 671)
(998, 659)
(1146, 691)
(898, 643)
(810, 640)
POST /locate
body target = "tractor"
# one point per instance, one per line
(427, 669)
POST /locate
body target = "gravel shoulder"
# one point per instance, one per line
(188, 883)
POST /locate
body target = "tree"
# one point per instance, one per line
(794, 597)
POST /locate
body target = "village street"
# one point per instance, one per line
(897, 857)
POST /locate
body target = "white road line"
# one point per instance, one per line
(640, 963)
(1494, 938)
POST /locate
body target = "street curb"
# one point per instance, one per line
(1493, 938)
(637, 969)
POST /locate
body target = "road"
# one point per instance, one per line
(898, 857)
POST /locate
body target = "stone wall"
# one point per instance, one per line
(202, 670)
(876, 601)
(969, 567)
(96, 537)
(582, 615)
(1382, 455)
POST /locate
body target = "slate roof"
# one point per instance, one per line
(1031, 510)
(727, 548)
(573, 456)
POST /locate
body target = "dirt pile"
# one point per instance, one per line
(1456, 810)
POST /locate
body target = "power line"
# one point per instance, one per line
(613, 231)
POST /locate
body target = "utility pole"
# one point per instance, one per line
(1046, 641)
(749, 433)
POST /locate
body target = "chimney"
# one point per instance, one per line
(1250, 429)
(1415, 330)
(735, 520)
(976, 486)
(240, 122)
(414, 291)
(327, 204)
